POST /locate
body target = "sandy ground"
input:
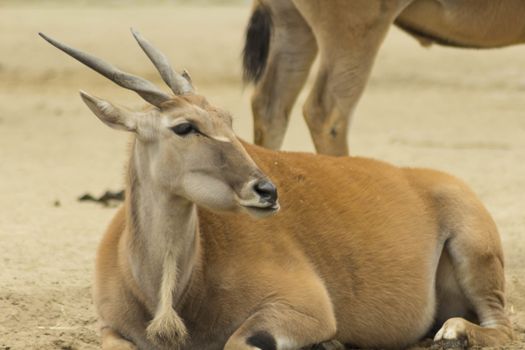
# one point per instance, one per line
(456, 110)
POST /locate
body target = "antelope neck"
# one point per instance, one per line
(164, 240)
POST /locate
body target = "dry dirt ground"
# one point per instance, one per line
(461, 111)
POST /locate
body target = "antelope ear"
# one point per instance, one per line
(111, 115)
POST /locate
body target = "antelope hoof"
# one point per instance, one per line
(119, 345)
(453, 334)
(328, 345)
(167, 331)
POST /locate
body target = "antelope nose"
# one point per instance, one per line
(266, 190)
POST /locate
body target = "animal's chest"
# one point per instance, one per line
(214, 314)
(212, 326)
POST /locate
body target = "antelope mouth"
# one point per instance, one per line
(261, 209)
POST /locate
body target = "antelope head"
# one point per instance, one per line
(183, 145)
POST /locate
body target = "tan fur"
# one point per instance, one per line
(348, 35)
(362, 252)
(352, 255)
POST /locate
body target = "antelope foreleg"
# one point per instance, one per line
(112, 340)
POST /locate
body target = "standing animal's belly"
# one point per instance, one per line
(460, 23)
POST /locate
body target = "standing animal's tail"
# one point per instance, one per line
(257, 44)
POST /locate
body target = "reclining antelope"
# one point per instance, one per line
(283, 38)
(361, 252)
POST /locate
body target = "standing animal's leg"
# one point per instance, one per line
(292, 49)
(471, 271)
(297, 315)
(348, 34)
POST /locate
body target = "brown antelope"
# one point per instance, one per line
(283, 38)
(361, 252)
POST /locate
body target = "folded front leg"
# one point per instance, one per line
(302, 317)
(280, 327)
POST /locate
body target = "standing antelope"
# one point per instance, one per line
(361, 252)
(283, 38)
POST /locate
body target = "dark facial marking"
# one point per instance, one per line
(262, 340)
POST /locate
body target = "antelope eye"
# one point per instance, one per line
(183, 129)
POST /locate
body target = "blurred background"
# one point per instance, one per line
(461, 111)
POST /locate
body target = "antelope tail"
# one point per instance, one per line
(257, 43)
